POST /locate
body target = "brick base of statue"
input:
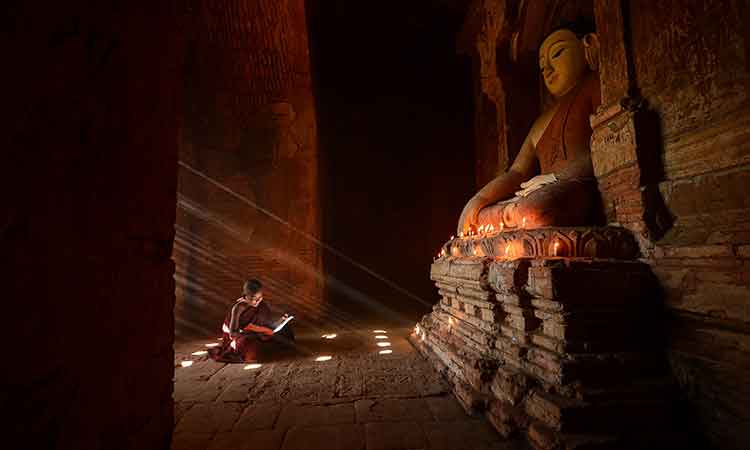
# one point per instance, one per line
(562, 349)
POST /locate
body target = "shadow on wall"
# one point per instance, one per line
(394, 105)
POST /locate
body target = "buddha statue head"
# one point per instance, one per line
(566, 56)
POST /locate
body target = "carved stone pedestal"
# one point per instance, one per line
(563, 349)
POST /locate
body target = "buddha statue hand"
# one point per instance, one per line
(470, 213)
(536, 183)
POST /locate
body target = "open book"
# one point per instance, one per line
(282, 324)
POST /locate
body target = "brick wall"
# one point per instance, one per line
(674, 170)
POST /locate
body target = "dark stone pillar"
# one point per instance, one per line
(88, 187)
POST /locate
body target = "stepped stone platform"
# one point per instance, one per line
(563, 350)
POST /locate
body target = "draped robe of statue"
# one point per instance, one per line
(573, 200)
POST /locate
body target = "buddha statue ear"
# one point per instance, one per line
(591, 50)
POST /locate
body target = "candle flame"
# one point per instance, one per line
(502, 226)
(523, 222)
(555, 247)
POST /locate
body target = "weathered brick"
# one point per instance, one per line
(702, 251)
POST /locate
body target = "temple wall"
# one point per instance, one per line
(88, 187)
(690, 63)
(248, 200)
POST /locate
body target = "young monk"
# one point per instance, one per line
(247, 326)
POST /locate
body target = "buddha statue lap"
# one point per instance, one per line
(564, 192)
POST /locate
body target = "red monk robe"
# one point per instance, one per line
(243, 346)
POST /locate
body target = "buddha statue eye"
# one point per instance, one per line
(557, 52)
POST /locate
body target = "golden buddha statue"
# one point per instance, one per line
(551, 181)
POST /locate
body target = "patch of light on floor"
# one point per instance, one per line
(381, 336)
(199, 353)
(213, 344)
(379, 331)
(186, 363)
(323, 358)
(329, 336)
(252, 366)
(384, 344)
(385, 352)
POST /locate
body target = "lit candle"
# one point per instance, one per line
(502, 226)
(554, 248)
(523, 223)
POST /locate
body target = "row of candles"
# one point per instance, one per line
(487, 229)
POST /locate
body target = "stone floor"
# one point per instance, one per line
(358, 399)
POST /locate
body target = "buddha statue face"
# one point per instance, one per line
(562, 61)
